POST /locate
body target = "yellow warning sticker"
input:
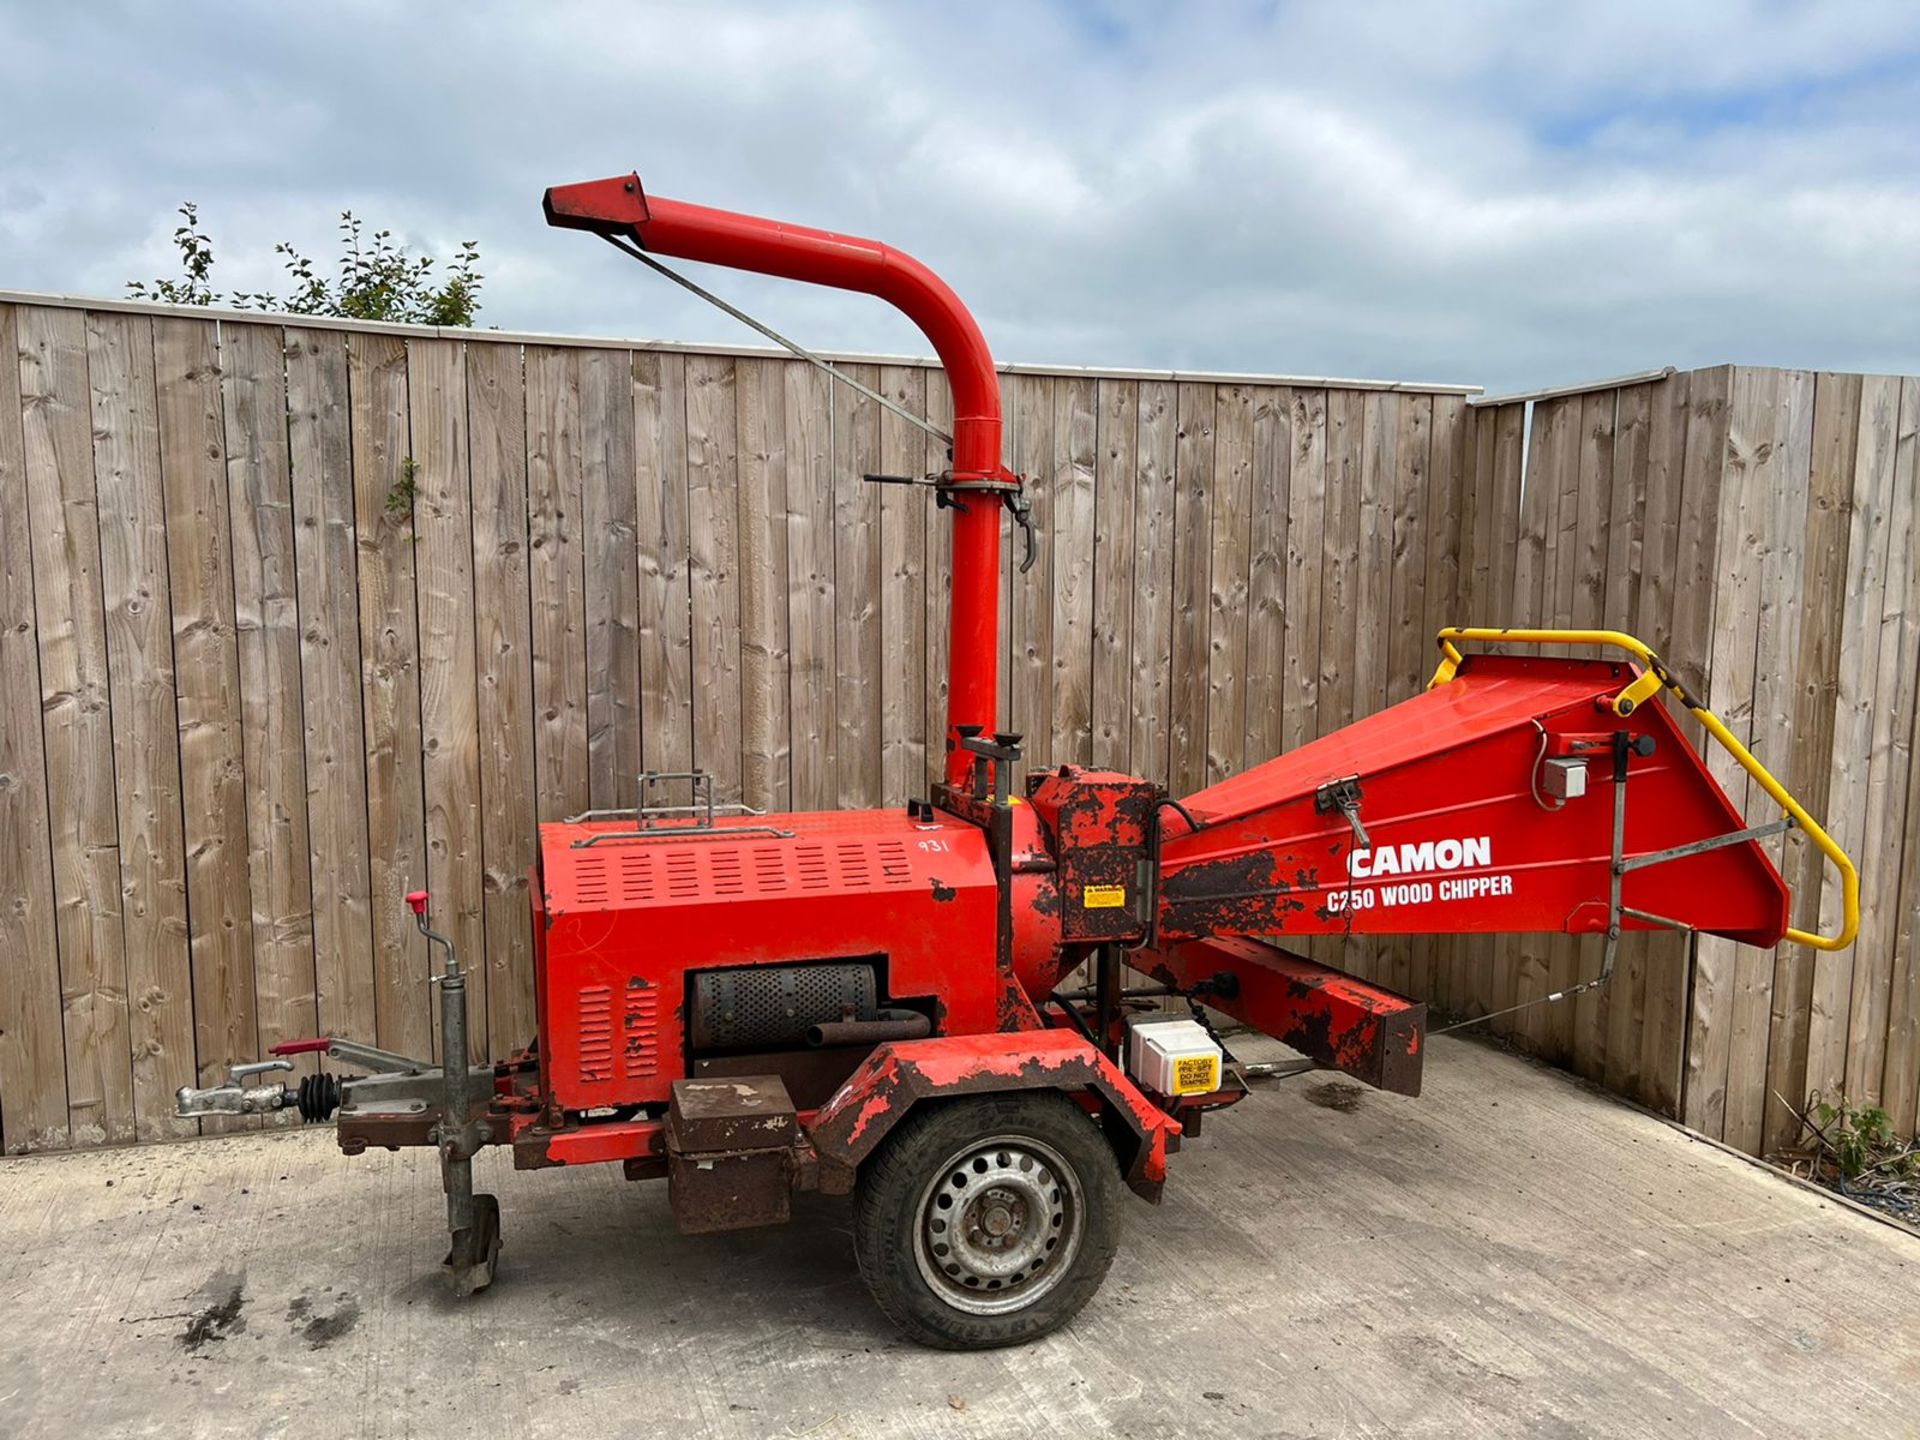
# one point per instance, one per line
(1196, 1074)
(1104, 897)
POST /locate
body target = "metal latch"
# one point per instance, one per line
(1344, 796)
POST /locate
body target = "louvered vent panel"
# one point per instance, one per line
(640, 1049)
(596, 1033)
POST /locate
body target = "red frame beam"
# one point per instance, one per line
(1330, 1017)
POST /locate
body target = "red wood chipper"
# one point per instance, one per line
(878, 1002)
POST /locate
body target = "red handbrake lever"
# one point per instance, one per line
(302, 1047)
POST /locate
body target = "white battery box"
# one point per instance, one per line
(1172, 1056)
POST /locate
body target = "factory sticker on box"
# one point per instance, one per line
(1195, 1074)
(1104, 897)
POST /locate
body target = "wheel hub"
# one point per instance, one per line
(998, 1224)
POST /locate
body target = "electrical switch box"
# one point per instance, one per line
(1172, 1056)
(1564, 778)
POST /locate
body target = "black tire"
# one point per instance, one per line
(1035, 1180)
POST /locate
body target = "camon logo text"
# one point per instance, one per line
(1417, 858)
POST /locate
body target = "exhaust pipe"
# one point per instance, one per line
(888, 1025)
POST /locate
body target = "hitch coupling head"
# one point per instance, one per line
(316, 1097)
(236, 1096)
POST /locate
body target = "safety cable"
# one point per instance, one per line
(1567, 994)
(774, 335)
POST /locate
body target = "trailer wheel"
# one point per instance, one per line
(988, 1221)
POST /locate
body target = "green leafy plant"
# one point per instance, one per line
(404, 488)
(376, 278)
(1858, 1137)
(1855, 1150)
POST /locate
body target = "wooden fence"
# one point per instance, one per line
(1757, 527)
(295, 618)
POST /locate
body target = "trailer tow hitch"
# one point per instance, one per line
(399, 1085)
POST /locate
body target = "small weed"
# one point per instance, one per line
(1855, 1150)
(400, 498)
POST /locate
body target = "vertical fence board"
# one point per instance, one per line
(146, 735)
(206, 696)
(1501, 959)
(1073, 541)
(189, 458)
(1625, 1009)
(1448, 514)
(1403, 621)
(855, 538)
(1117, 428)
(713, 571)
(1192, 561)
(1871, 730)
(1582, 1026)
(1268, 573)
(1752, 478)
(1836, 417)
(1153, 518)
(449, 699)
(903, 596)
(1306, 504)
(1891, 678)
(1859, 745)
(1339, 580)
(503, 665)
(557, 579)
(1373, 592)
(610, 600)
(390, 686)
(1412, 524)
(1780, 496)
(76, 716)
(1663, 1035)
(812, 596)
(253, 363)
(1228, 567)
(34, 1098)
(939, 544)
(1524, 959)
(1690, 652)
(1900, 1087)
(1030, 597)
(320, 459)
(766, 761)
(666, 633)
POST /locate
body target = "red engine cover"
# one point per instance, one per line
(620, 924)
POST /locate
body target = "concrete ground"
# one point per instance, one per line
(1511, 1254)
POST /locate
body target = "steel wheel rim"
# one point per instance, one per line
(998, 1225)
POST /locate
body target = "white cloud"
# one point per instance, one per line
(1502, 193)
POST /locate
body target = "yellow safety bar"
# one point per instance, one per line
(1644, 686)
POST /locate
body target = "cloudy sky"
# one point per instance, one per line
(1501, 194)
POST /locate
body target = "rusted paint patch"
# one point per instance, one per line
(1237, 895)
